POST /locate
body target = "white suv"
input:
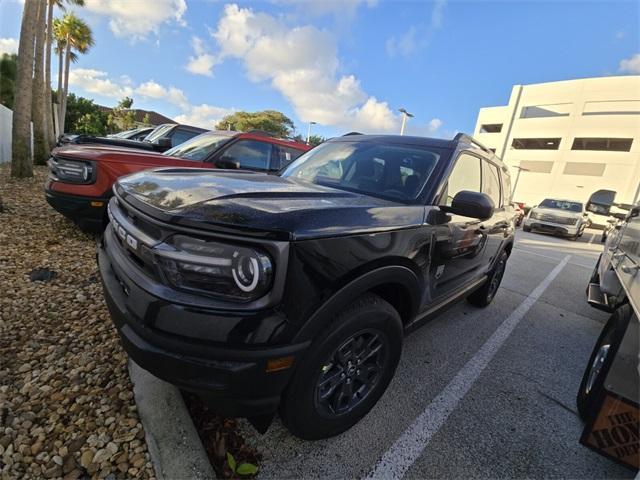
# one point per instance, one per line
(561, 217)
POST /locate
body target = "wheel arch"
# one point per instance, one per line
(397, 285)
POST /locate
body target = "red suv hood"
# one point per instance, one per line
(104, 152)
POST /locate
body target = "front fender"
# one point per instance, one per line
(393, 276)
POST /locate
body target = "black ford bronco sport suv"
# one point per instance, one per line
(295, 291)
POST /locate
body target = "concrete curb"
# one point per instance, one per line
(174, 446)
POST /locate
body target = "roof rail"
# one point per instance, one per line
(463, 137)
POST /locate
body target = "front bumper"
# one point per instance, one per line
(554, 228)
(87, 212)
(233, 380)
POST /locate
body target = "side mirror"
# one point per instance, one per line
(229, 163)
(600, 202)
(471, 204)
(164, 142)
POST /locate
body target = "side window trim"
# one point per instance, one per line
(499, 173)
(445, 188)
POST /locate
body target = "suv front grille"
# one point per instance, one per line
(547, 217)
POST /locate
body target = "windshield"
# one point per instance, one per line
(396, 172)
(561, 205)
(159, 132)
(198, 148)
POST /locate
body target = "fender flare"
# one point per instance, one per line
(392, 274)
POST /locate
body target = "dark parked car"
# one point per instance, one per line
(81, 176)
(138, 134)
(162, 138)
(295, 291)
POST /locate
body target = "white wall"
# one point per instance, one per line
(527, 115)
(6, 127)
(6, 116)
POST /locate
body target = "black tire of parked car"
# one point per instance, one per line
(526, 229)
(600, 361)
(485, 294)
(303, 410)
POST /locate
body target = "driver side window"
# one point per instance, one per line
(464, 176)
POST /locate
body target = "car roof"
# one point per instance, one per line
(562, 200)
(396, 140)
(259, 136)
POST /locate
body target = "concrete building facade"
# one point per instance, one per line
(568, 139)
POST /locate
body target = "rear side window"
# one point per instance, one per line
(491, 182)
(284, 156)
(251, 154)
(181, 136)
(464, 176)
(506, 188)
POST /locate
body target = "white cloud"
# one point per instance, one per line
(417, 36)
(202, 62)
(138, 18)
(99, 83)
(319, 8)
(434, 124)
(156, 91)
(205, 116)
(404, 45)
(631, 64)
(8, 45)
(301, 62)
(96, 82)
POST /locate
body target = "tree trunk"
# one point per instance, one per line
(59, 99)
(65, 88)
(48, 100)
(40, 144)
(21, 162)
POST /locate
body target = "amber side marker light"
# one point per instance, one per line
(97, 204)
(278, 364)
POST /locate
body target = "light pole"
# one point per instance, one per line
(405, 114)
(309, 131)
(520, 169)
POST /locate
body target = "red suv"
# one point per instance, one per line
(81, 176)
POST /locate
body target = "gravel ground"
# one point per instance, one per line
(66, 402)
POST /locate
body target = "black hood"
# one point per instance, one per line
(259, 203)
(115, 142)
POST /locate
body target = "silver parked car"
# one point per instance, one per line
(561, 217)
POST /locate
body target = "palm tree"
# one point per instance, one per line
(40, 143)
(47, 82)
(21, 162)
(71, 34)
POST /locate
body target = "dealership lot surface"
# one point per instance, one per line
(478, 393)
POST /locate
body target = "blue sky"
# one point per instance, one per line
(346, 65)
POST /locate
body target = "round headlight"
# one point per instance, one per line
(249, 270)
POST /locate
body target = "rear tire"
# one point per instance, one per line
(346, 370)
(600, 361)
(485, 294)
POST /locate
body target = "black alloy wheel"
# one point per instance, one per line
(351, 373)
(485, 294)
(346, 370)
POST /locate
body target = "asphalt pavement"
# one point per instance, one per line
(479, 393)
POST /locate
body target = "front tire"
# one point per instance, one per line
(526, 229)
(345, 371)
(485, 294)
(600, 361)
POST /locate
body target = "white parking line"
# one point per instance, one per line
(410, 445)
(593, 237)
(578, 264)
